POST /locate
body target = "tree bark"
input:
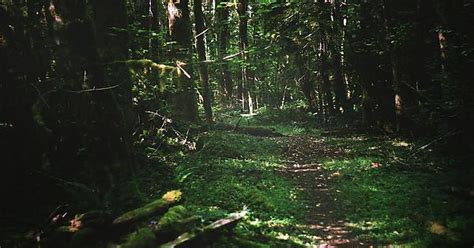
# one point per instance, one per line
(306, 85)
(336, 46)
(201, 50)
(104, 118)
(244, 93)
(223, 44)
(324, 72)
(184, 101)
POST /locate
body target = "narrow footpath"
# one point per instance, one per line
(323, 221)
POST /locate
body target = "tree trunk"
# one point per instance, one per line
(243, 35)
(184, 102)
(306, 85)
(201, 50)
(340, 89)
(155, 26)
(364, 66)
(223, 43)
(103, 117)
(324, 71)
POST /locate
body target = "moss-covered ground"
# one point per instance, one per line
(387, 190)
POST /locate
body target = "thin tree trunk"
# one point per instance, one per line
(222, 16)
(399, 105)
(201, 50)
(326, 83)
(364, 66)
(243, 35)
(306, 85)
(340, 89)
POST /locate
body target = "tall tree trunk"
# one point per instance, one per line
(455, 17)
(393, 50)
(103, 116)
(155, 26)
(184, 102)
(364, 65)
(243, 35)
(223, 44)
(306, 85)
(201, 50)
(324, 71)
(336, 46)
(113, 46)
(402, 97)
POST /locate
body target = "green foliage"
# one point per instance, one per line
(288, 121)
(143, 238)
(233, 171)
(174, 214)
(229, 145)
(388, 203)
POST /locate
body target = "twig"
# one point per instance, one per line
(41, 96)
(94, 89)
(423, 147)
(233, 55)
(178, 64)
(203, 32)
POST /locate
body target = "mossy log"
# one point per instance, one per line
(154, 208)
(175, 222)
(143, 238)
(207, 232)
(166, 233)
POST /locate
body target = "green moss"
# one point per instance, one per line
(216, 184)
(173, 215)
(150, 209)
(390, 202)
(237, 146)
(142, 238)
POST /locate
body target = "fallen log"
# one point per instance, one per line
(175, 222)
(154, 208)
(207, 231)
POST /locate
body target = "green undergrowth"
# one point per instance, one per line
(393, 195)
(391, 191)
(289, 121)
(230, 172)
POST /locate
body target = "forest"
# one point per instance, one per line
(236, 123)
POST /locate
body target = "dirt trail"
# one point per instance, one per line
(323, 222)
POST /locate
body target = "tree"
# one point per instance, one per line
(244, 89)
(201, 50)
(184, 101)
(223, 33)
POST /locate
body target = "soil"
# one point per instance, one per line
(323, 221)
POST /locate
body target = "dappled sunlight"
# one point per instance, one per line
(244, 123)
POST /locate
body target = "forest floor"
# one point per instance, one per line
(305, 186)
(326, 223)
(320, 188)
